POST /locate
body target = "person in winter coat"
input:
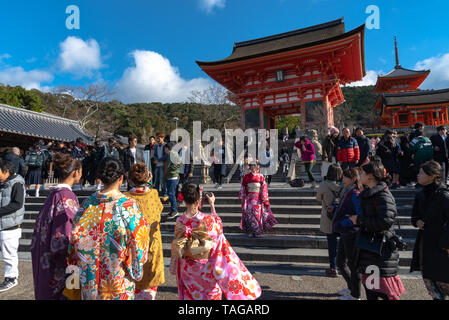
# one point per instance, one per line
(313, 135)
(348, 152)
(12, 209)
(419, 131)
(307, 157)
(376, 221)
(421, 149)
(405, 163)
(364, 146)
(329, 150)
(34, 162)
(389, 151)
(284, 133)
(342, 225)
(431, 215)
(440, 144)
(160, 158)
(17, 161)
(327, 191)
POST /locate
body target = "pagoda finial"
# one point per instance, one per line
(396, 52)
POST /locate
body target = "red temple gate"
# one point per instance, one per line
(288, 73)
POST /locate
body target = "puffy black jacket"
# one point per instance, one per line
(378, 216)
(432, 206)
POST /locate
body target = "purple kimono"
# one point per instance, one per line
(49, 245)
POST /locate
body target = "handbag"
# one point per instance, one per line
(370, 241)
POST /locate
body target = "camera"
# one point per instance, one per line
(396, 242)
(203, 197)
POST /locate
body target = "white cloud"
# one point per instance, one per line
(439, 72)
(369, 80)
(209, 5)
(153, 78)
(17, 76)
(80, 57)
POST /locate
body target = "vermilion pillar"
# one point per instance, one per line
(303, 115)
(242, 117)
(261, 122)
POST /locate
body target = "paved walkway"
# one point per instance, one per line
(278, 281)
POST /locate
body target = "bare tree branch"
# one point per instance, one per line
(86, 98)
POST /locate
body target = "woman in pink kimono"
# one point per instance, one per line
(204, 263)
(257, 216)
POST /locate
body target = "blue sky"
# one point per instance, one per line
(146, 50)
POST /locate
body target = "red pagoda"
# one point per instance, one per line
(401, 103)
(297, 72)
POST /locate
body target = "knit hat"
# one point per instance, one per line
(333, 131)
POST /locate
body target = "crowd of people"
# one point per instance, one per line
(114, 241)
(359, 212)
(401, 155)
(113, 244)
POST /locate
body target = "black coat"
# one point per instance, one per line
(128, 160)
(432, 206)
(364, 146)
(389, 156)
(17, 162)
(378, 215)
(406, 169)
(442, 154)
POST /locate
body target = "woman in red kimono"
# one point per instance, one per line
(204, 263)
(257, 216)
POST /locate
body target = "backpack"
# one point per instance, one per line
(297, 183)
(424, 149)
(35, 160)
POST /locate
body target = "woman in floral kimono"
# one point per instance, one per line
(52, 231)
(109, 242)
(257, 216)
(204, 263)
(151, 207)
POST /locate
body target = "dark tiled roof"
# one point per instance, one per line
(40, 125)
(398, 71)
(416, 98)
(292, 40)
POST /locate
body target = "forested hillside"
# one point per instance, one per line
(101, 116)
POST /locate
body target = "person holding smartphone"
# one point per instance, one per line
(205, 265)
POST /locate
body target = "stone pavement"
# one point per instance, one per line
(278, 281)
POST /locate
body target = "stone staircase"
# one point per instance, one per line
(296, 239)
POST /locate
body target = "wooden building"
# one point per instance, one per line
(297, 72)
(23, 128)
(401, 103)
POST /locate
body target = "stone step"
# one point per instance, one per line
(30, 218)
(32, 204)
(403, 210)
(307, 256)
(406, 231)
(289, 229)
(263, 254)
(239, 239)
(289, 255)
(278, 241)
(274, 191)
